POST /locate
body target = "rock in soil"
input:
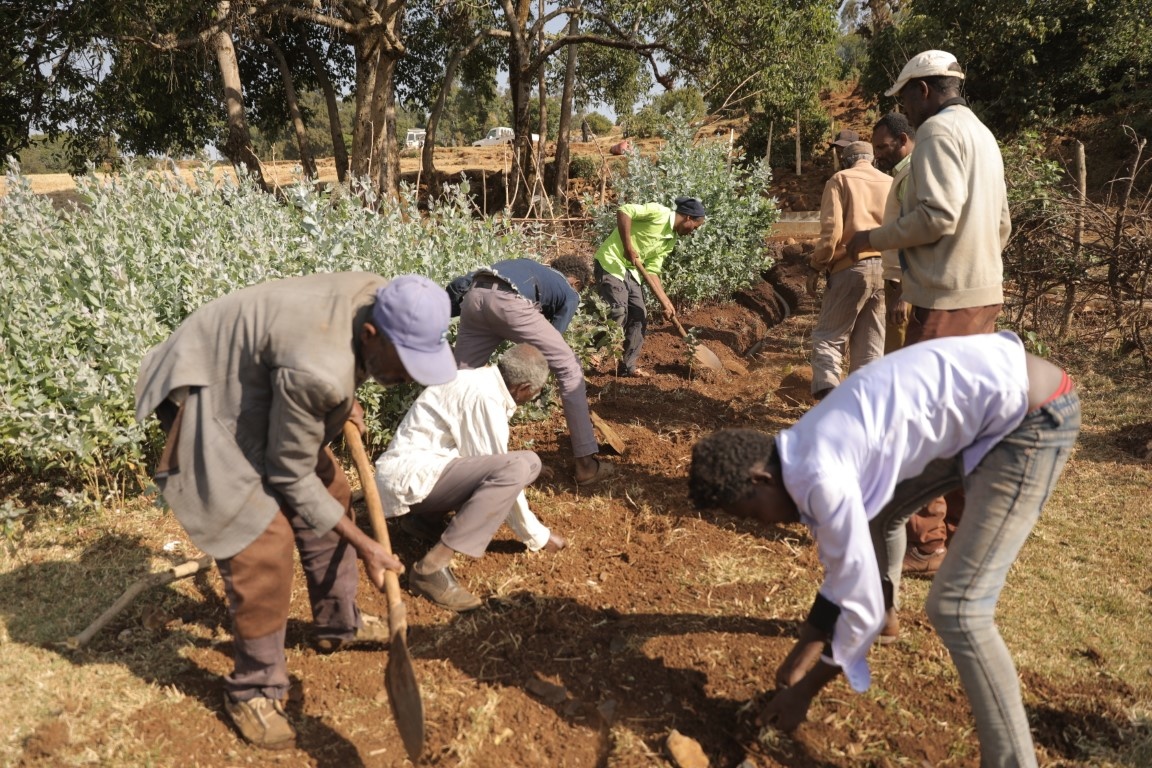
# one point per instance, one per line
(685, 752)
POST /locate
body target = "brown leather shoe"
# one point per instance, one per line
(918, 564)
(442, 588)
(262, 722)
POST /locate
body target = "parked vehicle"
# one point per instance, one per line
(500, 135)
(415, 138)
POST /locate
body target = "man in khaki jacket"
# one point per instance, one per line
(250, 389)
(852, 312)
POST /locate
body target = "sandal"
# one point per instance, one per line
(604, 470)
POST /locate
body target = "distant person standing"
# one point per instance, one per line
(953, 229)
(852, 312)
(893, 140)
(643, 238)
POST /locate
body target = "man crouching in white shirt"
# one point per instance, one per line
(976, 411)
(450, 453)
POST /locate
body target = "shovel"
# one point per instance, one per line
(399, 677)
(700, 353)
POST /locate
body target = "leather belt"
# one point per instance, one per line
(488, 281)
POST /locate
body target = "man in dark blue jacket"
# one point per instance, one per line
(526, 302)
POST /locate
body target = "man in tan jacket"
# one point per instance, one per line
(852, 312)
(954, 226)
(250, 389)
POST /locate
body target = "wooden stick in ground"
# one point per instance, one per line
(399, 676)
(140, 585)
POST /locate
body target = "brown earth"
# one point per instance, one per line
(592, 656)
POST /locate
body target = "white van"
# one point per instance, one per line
(415, 138)
(501, 135)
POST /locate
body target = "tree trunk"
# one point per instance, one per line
(564, 127)
(294, 113)
(428, 152)
(519, 81)
(374, 150)
(238, 146)
(339, 148)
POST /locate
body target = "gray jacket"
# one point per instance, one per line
(275, 370)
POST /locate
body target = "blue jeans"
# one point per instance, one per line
(1005, 494)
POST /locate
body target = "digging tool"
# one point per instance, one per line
(399, 677)
(181, 571)
(700, 353)
(609, 435)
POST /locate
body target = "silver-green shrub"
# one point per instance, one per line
(726, 254)
(87, 291)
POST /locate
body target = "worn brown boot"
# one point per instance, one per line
(262, 722)
(442, 588)
(916, 563)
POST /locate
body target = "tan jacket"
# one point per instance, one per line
(853, 201)
(276, 372)
(955, 223)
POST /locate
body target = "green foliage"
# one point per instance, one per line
(758, 56)
(88, 292)
(593, 334)
(646, 123)
(44, 155)
(1024, 61)
(598, 123)
(728, 252)
(1032, 179)
(583, 167)
(664, 111)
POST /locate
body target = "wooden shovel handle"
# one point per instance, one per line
(396, 610)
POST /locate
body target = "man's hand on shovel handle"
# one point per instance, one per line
(376, 558)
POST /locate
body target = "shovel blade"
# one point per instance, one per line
(404, 696)
(707, 358)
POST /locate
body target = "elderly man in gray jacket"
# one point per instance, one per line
(250, 389)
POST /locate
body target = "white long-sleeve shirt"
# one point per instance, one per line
(465, 417)
(882, 425)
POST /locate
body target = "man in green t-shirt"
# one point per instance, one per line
(644, 236)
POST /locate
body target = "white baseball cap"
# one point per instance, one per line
(927, 64)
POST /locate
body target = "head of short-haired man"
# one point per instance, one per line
(892, 140)
(405, 336)
(738, 471)
(524, 370)
(575, 269)
(928, 80)
(855, 153)
(690, 214)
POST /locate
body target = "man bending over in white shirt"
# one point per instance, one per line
(976, 411)
(450, 453)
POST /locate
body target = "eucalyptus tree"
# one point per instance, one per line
(633, 25)
(449, 44)
(769, 59)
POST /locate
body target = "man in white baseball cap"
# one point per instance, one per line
(927, 64)
(952, 228)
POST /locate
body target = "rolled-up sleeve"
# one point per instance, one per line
(300, 405)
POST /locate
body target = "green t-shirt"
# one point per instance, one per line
(652, 237)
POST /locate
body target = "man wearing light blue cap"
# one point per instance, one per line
(250, 389)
